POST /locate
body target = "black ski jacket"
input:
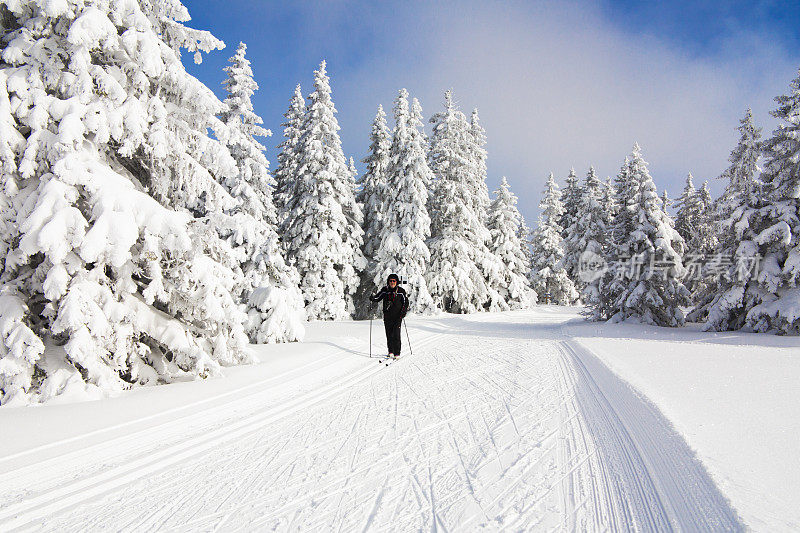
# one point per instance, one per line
(395, 302)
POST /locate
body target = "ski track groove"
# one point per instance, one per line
(498, 430)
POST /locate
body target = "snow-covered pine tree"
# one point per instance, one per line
(743, 176)
(549, 278)
(608, 200)
(572, 196)
(417, 121)
(645, 281)
(252, 183)
(269, 286)
(372, 191)
(458, 227)
(779, 240)
(706, 240)
(372, 198)
(322, 231)
(689, 211)
(740, 216)
(479, 155)
(694, 222)
(12, 142)
(666, 201)
(354, 240)
(110, 173)
(624, 196)
(705, 197)
(488, 262)
(504, 225)
(285, 173)
(406, 225)
(525, 236)
(702, 248)
(588, 236)
(351, 166)
(571, 199)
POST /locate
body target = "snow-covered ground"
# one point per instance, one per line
(734, 398)
(517, 421)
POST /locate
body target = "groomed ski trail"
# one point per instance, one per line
(638, 472)
(497, 422)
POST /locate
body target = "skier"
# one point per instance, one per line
(395, 306)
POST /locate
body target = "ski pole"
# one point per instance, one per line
(370, 333)
(410, 351)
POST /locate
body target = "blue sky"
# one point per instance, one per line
(557, 84)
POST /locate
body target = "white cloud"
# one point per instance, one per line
(559, 86)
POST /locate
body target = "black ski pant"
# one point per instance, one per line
(392, 326)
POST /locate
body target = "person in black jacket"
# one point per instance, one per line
(395, 307)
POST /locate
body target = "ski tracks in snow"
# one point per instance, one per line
(638, 468)
(497, 426)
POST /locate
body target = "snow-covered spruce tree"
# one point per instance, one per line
(571, 199)
(666, 201)
(417, 123)
(11, 143)
(689, 211)
(406, 224)
(269, 287)
(739, 214)
(702, 248)
(705, 198)
(625, 200)
(110, 174)
(488, 262)
(549, 279)
(372, 198)
(372, 190)
(695, 223)
(351, 166)
(608, 200)
(354, 240)
(626, 190)
(284, 192)
(779, 240)
(743, 176)
(252, 183)
(588, 236)
(458, 227)
(706, 239)
(645, 281)
(322, 230)
(504, 224)
(478, 151)
(525, 236)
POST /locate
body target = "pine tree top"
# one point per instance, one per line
(401, 114)
(782, 150)
(743, 174)
(551, 206)
(240, 87)
(415, 118)
(380, 140)
(705, 196)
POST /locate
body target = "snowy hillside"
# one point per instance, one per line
(497, 421)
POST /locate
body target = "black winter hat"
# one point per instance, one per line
(393, 277)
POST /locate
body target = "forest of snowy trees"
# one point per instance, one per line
(144, 240)
(729, 263)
